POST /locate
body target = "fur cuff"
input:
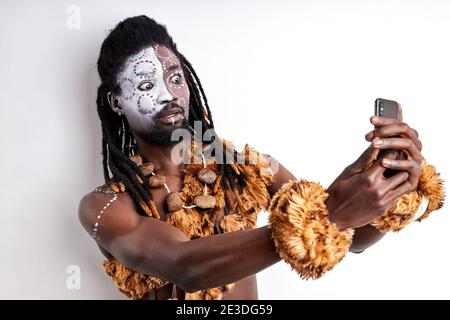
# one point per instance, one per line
(404, 208)
(302, 233)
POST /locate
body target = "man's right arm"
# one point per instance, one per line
(154, 247)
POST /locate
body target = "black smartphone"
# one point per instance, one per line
(387, 109)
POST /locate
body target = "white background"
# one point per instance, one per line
(296, 80)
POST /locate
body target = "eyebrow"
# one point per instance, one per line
(173, 67)
(143, 73)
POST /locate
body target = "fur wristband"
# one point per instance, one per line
(403, 211)
(304, 236)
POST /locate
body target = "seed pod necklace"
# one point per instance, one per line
(174, 202)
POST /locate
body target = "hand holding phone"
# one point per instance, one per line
(387, 109)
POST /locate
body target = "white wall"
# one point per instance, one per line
(294, 79)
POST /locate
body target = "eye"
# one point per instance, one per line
(176, 78)
(146, 86)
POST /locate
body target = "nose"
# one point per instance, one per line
(165, 96)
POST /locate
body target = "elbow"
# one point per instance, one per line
(357, 251)
(358, 247)
(176, 264)
(190, 284)
(188, 274)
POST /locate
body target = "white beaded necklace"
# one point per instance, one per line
(204, 201)
(96, 225)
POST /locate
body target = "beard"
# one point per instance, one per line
(163, 136)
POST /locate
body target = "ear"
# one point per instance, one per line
(114, 103)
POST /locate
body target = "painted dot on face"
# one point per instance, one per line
(146, 103)
(144, 67)
(183, 102)
(127, 87)
(163, 52)
(148, 100)
(166, 56)
(138, 57)
(153, 103)
(179, 85)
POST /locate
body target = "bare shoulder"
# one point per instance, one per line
(112, 219)
(110, 209)
(281, 174)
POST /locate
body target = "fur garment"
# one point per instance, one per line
(195, 223)
(404, 208)
(304, 236)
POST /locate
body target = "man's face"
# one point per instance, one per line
(154, 94)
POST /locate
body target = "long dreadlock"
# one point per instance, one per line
(118, 142)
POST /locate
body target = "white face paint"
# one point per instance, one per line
(150, 81)
(142, 85)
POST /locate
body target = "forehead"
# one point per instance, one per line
(166, 57)
(151, 58)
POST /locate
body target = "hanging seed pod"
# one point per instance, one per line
(206, 175)
(174, 202)
(121, 186)
(147, 168)
(137, 159)
(205, 201)
(156, 181)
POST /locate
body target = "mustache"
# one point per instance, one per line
(171, 108)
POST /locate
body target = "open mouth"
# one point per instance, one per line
(171, 116)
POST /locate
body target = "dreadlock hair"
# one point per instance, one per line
(118, 143)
